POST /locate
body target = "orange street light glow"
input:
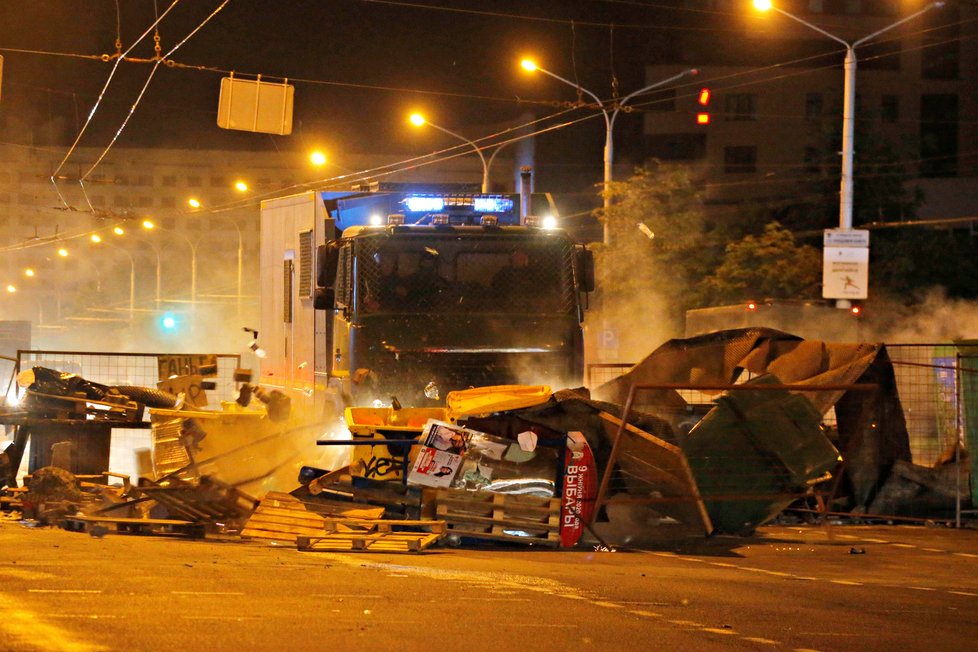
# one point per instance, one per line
(118, 230)
(63, 252)
(29, 272)
(148, 224)
(193, 202)
(528, 64)
(762, 5)
(96, 238)
(417, 119)
(317, 158)
(11, 288)
(241, 186)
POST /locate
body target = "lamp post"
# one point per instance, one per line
(419, 120)
(610, 111)
(150, 225)
(96, 239)
(848, 98)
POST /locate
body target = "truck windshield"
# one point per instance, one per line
(413, 274)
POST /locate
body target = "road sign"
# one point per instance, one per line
(845, 272)
(845, 238)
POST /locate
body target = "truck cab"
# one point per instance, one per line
(418, 293)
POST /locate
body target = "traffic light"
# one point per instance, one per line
(703, 116)
(169, 322)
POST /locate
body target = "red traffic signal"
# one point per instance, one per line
(702, 117)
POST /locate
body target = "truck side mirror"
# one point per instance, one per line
(327, 258)
(584, 269)
(323, 298)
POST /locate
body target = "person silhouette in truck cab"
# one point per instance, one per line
(520, 283)
(425, 288)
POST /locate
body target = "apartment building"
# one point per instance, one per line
(776, 87)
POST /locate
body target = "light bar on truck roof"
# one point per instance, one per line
(424, 203)
(476, 203)
(491, 204)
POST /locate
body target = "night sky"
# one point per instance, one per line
(359, 66)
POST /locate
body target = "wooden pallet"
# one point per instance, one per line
(499, 517)
(143, 526)
(281, 517)
(347, 535)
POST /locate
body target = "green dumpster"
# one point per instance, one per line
(754, 452)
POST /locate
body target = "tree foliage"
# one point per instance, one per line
(770, 265)
(656, 237)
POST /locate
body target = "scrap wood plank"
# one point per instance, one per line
(157, 526)
(658, 469)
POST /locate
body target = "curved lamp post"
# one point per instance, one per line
(419, 120)
(849, 96)
(610, 110)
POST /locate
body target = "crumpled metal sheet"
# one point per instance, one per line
(872, 432)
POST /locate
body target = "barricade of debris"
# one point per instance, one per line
(522, 465)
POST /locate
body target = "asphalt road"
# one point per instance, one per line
(788, 588)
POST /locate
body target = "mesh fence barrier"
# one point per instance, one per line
(127, 369)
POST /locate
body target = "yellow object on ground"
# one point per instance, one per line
(495, 398)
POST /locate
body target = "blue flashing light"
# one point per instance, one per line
(491, 204)
(424, 204)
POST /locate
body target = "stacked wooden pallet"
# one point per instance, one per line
(347, 535)
(529, 520)
(281, 517)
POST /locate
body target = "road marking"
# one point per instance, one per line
(964, 554)
(846, 582)
(24, 574)
(963, 593)
(643, 612)
(602, 603)
(762, 641)
(365, 597)
(207, 592)
(495, 599)
(234, 618)
(64, 591)
(687, 623)
(921, 588)
(30, 627)
(86, 616)
(933, 549)
(549, 625)
(902, 545)
(717, 630)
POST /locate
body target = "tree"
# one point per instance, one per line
(770, 265)
(655, 249)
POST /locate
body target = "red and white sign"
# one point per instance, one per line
(578, 495)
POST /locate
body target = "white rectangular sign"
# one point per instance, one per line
(845, 272)
(845, 238)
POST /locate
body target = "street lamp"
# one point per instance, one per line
(96, 239)
(848, 98)
(610, 111)
(149, 225)
(419, 120)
